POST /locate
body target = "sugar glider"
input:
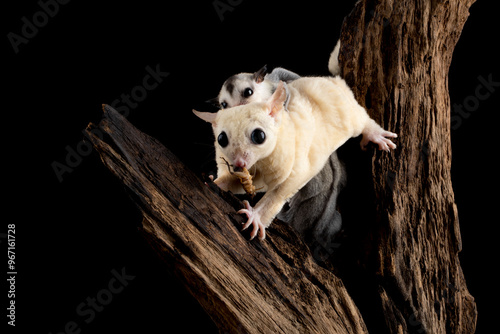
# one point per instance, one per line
(313, 210)
(286, 149)
(245, 88)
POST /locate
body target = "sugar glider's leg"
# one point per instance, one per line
(281, 74)
(269, 206)
(376, 134)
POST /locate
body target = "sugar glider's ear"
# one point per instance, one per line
(214, 102)
(277, 100)
(206, 116)
(258, 76)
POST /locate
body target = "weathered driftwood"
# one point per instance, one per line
(273, 286)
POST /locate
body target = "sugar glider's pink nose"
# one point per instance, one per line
(240, 163)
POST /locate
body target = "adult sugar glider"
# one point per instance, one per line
(284, 150)
(312, 211)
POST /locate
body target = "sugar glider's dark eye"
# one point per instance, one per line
(258, 136)
(222, 139)
(223, 104)
(247, 92)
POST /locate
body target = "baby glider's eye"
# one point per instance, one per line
(247, 92)
(223, 104)
(258, 136)
(222, 139)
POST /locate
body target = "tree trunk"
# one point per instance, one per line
(396, 56)
(400, 257)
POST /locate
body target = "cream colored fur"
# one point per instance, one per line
(322, 115)
(333, 62)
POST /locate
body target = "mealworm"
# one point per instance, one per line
(244, 177)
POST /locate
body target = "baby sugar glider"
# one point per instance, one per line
(285, 149)
(245, 88)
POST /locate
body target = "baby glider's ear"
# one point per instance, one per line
(206, 116)
(258, 76)
(276, 101)
(214, 102)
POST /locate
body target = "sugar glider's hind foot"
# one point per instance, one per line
(253, 219)
(381, 138)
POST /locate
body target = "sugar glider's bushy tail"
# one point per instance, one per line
(333, 63)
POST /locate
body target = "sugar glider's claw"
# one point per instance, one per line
(248, 210)
(253, 219)
(381, 139)
(389, 134)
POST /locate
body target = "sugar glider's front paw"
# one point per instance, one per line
(381, 138)
(254, 218)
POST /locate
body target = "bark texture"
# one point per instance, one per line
(396, 56)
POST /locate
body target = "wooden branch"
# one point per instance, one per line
(273, 286)
(396, 56)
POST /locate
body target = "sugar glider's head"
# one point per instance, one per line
(244, 88)
(248, 133)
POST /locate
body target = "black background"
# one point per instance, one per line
(70, 235)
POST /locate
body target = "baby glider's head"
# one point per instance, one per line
(248, 133)
(244, 88)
